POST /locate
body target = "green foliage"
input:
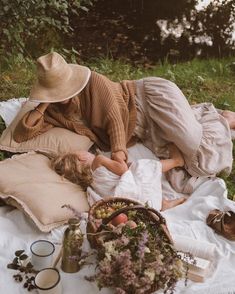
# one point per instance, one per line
(29, 27)
(126, 28)
(215, 23)
(25, 272)
(144, 31)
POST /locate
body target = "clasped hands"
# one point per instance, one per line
(120, 157)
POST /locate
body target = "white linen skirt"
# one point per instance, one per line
(199, 131)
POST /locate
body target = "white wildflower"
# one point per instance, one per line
(150, 274)
(146, 250)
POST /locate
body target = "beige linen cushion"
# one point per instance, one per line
(54, 141)
(28, 182)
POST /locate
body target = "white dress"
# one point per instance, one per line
(199, 131)
(142, 182)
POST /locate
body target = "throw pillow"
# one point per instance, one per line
(28, 182)
(54, 141)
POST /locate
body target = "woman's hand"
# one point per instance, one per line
(118, 168)
(36, 114)
(119, 156)
(43, 106)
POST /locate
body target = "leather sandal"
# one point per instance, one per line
(223, 223)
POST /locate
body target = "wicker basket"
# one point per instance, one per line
(147, 215)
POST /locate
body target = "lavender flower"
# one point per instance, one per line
(123, 241)
(142, 245)
(137, 260)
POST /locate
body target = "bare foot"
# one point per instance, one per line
(166, 204)
(230, 117)
(175, 154)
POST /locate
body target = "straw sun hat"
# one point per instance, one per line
(57, 80)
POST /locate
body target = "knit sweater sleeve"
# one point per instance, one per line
(109, 109)
(116, 131)
(106, 107)
(24, 132)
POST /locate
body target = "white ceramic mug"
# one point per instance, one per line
(48, 281)
(42, 254)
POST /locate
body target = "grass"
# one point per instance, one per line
(210, 80)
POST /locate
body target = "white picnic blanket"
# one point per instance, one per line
(188, 219)
(9, 109)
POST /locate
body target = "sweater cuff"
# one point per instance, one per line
(120, 148)
(35, 127)
(23, 132)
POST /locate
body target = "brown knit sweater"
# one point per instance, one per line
(104, 111)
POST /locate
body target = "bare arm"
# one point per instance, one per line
(116, 167)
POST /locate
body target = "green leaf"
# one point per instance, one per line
(29, 265)
(66, 51)
(12, 266)
(200, 79)
(225, 103)
(84, 8)
(19, 252)
(15, 260)
(23, 257)
(75, 51)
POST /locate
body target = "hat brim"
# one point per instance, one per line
(73, 86)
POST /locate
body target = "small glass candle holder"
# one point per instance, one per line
(47, 281)
(42, 254)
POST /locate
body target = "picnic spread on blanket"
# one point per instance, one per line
(101, 235)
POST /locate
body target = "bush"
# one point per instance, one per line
(30, 27)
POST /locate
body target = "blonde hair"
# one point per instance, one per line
(70, 167)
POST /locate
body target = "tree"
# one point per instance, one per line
(135, 29)
(128, 27)
(215, 25)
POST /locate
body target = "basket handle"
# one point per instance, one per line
(160, 218)
(154, 212)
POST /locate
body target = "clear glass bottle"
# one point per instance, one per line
(72, 247)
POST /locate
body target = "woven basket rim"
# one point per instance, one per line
(92, 227)
(121, 199)
(111, 199)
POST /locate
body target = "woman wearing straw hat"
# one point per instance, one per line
(115, 114)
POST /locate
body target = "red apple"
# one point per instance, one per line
(119, 219)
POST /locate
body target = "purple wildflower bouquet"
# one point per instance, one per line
(136, 257)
